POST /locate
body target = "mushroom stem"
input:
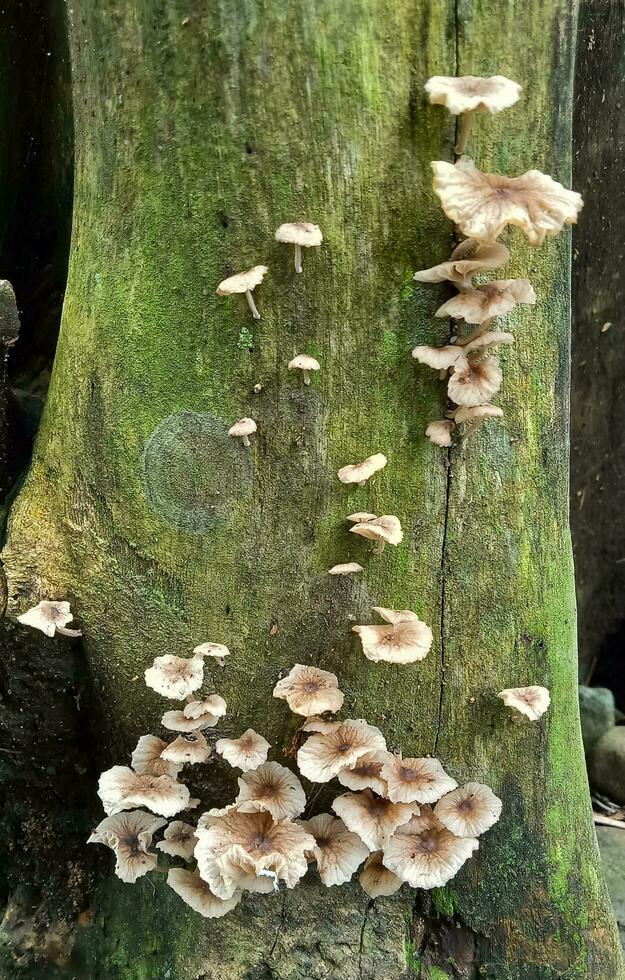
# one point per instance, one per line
(298, 258)
(483, 327)
(246, 441)
(306, 377)
(379, 547)
(465, 121)
(252, 304)
(471, 429)
(64, 631)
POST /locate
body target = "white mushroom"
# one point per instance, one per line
(243, 429)
(301, 234)
(305, 364)
(49, 616)
(244, 282)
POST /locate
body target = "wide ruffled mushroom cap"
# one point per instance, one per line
(383, 530)
(175, 677)
(310, 691)
(177, 721)
(146, 758)
(374, 819)
(120, 788)
(242, 281)
(246, 752)
(474, 382)
(338, 852)
(198, 895)
(529, 701)
(426, 855)
(273, 788)
(129, 835)
(497, 298)
(469, 810)
(460, 270)
(179, 840)
(422, 780)
(466, 93)
(482, 204)
(360, 472)
(376, 880)
(325, 755)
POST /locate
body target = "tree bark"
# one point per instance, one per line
(199, 128)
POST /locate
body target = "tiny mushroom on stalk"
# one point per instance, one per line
(465, 95)
(383, 530)
(460, 269)
(360, 472)
(217, 651)
(244, 282)
(348, 568)
(175, 677)
(301, 234)
(532, 702)
(242, 430)
(51, 617)
(483, 204)
(305, 364)
(214, 704)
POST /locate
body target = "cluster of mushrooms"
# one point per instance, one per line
(402, 820)
(482, 205)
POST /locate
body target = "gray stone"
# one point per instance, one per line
(612, 847)
(596, 706)
(606, 764)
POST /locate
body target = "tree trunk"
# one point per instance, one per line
(199, 128)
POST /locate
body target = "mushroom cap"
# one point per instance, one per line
(303, 362)
(496, 298)
(214, 704)
(316, 724)
(483, 204)
(348, 568)
(374, 819)
(425, 854)
(310, 691)
(359, 472)
(273, 788)
(191, 748)
(299, 233)
(180, 840)
(120, 788)
(491, 338)
(147, 758)
(177, 721)
(439, 358)
(469, 92)
(242, 281)
(244, 427)
(338, 852)
(478, 412)
(529, 701)
(326, 754)
(217, 650)
(175, 677)
(395, 616)
(404, 642)
(366, 773)
(440, 432)
(422, 780)
(246, 752)
(197, 894)
(376, 880)
(484, 257)
(386, 528)
(469, 810)
(129, 835)
(362, 517)
(474, 383)
(47, 616)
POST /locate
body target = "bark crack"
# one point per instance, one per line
(280, 926)
(362, 936)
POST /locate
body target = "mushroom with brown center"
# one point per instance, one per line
(347, 568)
(305, 364)
(120, 788)
(129, 835)
(197, 894)
(359, 473)
(242, 430)
(244, 282)
(422, 780)
(376, 880)
(383, 530)
(50, 617)
(406, 640)
(374, 819)
(474, 380)
(179, 840)
(246, 752)
(460, 270)
(273, 788)
(338, 852)
(310, 691)
(439, 433)
(324, 755)
(467, 94)
(366, 773)
(425, 854)
(301, 234)
(532, 702)
(189, 747)
(175, 677)
(483, 204)
(469, 810)
(483, 303)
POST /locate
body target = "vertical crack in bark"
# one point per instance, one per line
(280, 926)
(362, 935)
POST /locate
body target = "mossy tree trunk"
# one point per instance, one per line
(199, 128)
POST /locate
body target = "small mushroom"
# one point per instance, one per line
(532, 702)
(119, 788)
(469, 810)
(438, 358)
(405, 640)
(366, 773)
(273, 788)
(243, 429)
(483, 204)
(440, 432)
(51, 617)
(190, 748)
(476, 416)
(309, 691)
(383, 530)
(244, 282)
(348, 568)
(129, 835)
(326, 754)
(177, 721)
(246, 752)
(497, 298)
(362, 517)
(474, 382)
(360, 472)
(180, 840)
(214, 704)
(305, 364)
(175, 677)
(217, 651)
(197, 894)
(300, 234)
(419, 780)
(376, 880)
(467, 94)
(460, 270)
